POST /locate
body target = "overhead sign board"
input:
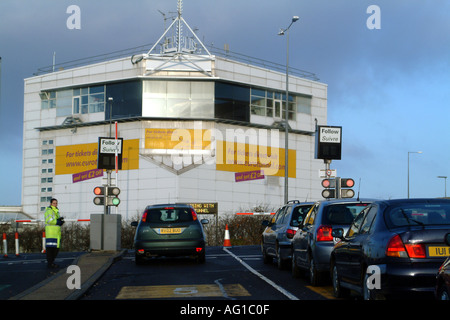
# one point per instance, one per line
(328, 142)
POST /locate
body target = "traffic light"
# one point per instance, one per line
(330, 191)
(347, 183)
(110, 193)
(100, 193)
(113, 200)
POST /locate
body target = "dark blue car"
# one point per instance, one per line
(393, 247)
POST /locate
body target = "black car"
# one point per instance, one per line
(169, 230)
(277, 237)
(442, 290)
(394, 247)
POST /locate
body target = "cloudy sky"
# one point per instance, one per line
(389, 88)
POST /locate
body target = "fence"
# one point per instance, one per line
(27, 235)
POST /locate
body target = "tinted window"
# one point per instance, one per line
(299, 213)
(342, 213)
(127, 99)
(417, 214)
(169, 215)
(232, 102)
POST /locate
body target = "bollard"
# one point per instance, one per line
(43, 242)
(16, 237)
(5, 246)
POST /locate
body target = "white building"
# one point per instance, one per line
(160, 100)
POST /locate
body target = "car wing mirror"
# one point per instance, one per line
(447, 239)
(204, 221)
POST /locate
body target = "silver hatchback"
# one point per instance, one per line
(313, 242)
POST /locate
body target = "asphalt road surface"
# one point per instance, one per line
(236, 273)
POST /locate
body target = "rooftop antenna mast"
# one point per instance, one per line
(181, 44)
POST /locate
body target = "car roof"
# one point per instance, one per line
(414, 200)
(162, 205)
(346, 200)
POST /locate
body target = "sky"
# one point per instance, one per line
(387, 69)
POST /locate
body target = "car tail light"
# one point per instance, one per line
(396, 248)
(194, 215)
(290, 233)
(416, 250)
(144, 216)
(324, 233)
(198, 249)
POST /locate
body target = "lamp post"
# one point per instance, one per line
(286, 124)
(409, 152)
(445, 184)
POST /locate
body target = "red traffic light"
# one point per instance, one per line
(329, 183)
(347, 183)
(99, 191)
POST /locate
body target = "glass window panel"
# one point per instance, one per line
(96, 103)
(76, 105)
(178, 108)
(304, 104)
(202, 109)
(84, 91)
(178, 90)
(202, 90)
(52, 94)
(258, 93)
(96, 89)
(76, 92)
(44, 104)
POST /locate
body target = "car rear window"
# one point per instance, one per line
(418, 214)
(169, 215)
(342, 213)
(299, 213)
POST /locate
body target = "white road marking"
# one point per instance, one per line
(273, 284)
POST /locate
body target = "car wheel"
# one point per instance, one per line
(296, 273)
(266, 258)
(338, 291)
(281, 264)
(314, 276)
(201, 258)
(443, 294)
(368, 294)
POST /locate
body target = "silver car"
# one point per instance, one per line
(277, 237)
(313, 242)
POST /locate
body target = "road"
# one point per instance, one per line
(236, 273)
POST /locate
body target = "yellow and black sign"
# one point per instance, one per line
(205, 207)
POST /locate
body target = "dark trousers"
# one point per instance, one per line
(51, 255)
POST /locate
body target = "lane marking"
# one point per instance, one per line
(182, 291)
(273, 284)
(326, 292)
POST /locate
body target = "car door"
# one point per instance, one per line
(272, 231)
(303, 234)
(358, 235)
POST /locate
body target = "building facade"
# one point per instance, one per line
(196, 128)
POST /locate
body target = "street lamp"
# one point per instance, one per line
(286, 124)
(445, 184)
(409, 152)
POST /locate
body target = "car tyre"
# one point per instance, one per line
(443, 293)
(338, 291)
(266, 258)
(296, 273)
(281, 264)
(314, 275)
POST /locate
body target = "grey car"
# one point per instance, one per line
(313, 243)
(276, 240)
(169, 230)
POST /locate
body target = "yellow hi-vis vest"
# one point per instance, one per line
(52, 231)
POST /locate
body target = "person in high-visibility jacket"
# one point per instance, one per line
(53, 223)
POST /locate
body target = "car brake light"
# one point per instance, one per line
(416, 250)
(198, 249)
(290, 233)
(395, 248)
(169, 208)
(194, 215)
(324, 233)
(144, 216)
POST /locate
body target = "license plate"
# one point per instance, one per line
(438, 251)
(169, 230)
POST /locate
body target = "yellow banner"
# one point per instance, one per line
(185, 139)
(78, 158)
(239, 157)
